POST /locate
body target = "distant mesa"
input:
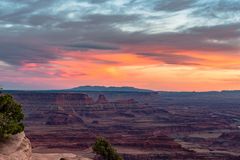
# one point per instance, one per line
(109, 89)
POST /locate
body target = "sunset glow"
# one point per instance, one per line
(159, 45)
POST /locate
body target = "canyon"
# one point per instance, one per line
(140, 125)
(18, 147)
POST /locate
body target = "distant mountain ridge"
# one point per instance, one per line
(110, 89)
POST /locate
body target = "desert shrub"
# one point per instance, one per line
(11, 116)
(104, 149)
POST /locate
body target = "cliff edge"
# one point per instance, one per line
(17, 147)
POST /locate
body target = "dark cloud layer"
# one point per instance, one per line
(223, 10)
(98, 1)
(35, 32)
(19, 53)
(171, 58)
(98, 21)
(89, 45)
(173, 5)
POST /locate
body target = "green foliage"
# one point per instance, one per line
(103, 148)
(11, 117)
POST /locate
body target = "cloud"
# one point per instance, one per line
(19, 15)
(171, 58)
(226, 5)
(103, 61)
(224, 11)
(36, 20)
(220, 32)
(98, 20)
(39, 32)
(173, 5)
(17, 53)
(90, 45)
(219, 39)
(194, 39)
(98, 1)
(59, 37)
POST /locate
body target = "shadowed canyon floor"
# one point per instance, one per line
(147, 126)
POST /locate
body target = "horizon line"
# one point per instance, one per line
(176, 91)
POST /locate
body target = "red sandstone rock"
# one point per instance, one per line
(59, 118)
(128, 101)
(101, 99)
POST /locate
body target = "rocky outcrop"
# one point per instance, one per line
(101, 99)
(157, 124)
(230, 140)
(51, 99)
(61, 118)
(127, 102)
(57, 156)
(18, 147)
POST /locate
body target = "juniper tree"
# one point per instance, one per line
(104, 149)
(11, 116)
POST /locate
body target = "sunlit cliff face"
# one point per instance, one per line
(158, 44)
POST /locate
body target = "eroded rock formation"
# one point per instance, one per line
(101, 99)
(157, 126)
(17, 147)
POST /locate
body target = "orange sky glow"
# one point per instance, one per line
(160, 44)
(211, 72)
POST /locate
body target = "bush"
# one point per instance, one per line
(11, 117)
(103, 148)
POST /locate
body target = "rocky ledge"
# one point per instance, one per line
(18, 147)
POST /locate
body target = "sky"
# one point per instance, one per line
(171, 45)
